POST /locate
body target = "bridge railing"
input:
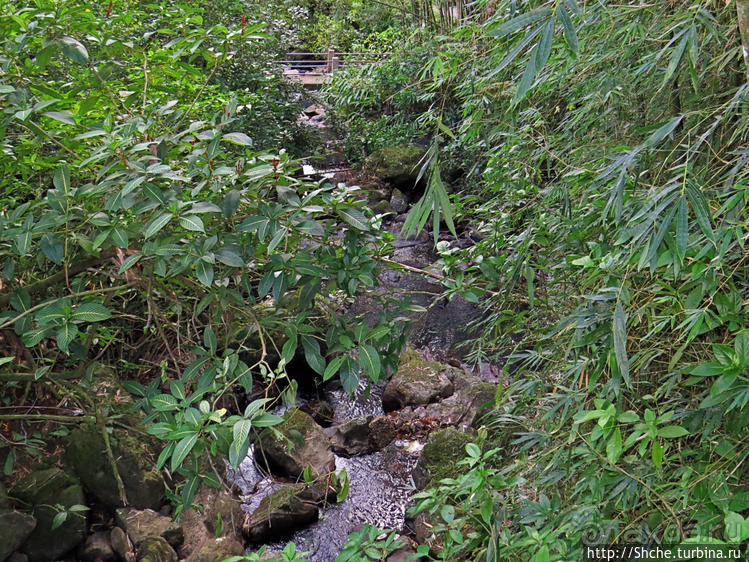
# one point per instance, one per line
(326, 62)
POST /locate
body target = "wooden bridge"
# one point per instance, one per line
(315, 69)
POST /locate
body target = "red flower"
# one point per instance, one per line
(244, 22)
(109, 8)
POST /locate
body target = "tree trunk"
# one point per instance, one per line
(742, 10)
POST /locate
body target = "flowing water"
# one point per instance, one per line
(380, 486)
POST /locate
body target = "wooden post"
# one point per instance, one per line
(742, 11)
(336, 63)
(331, 56)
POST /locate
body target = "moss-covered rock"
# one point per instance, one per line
(280, 513)
(46, 543)
(382, 207)
(440, 457)
(397, 165)
(298, 442)
(216, 550)
(15, 528)
(156, 549)
(201, 525)
(97, 548)
(41, 486)
(87, 458)
(121, 543)
(417, 382)
(141, 524)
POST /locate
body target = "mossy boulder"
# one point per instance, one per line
(135, 460)
(97, 548)
(396, 165)
(288, 448)
(216, 550)
(201, 525)
(46, 543)
(417, 382)
(142, 524)
(15, 528)
(280, 513)
(156, 549)
(440, 457)
(352, 437)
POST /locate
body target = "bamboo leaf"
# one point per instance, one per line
(682, 229)
(521, 21)
(675, 59)
(570, 35)
(619, 330)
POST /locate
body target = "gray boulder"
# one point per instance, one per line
(143, 524)
(15, 528)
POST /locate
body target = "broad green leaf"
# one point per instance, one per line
(209, 340)
(205, 273)
(672, 432)
(33, 337)
(192, 222)
(182, 449)
(370, 360)
(74, 50)
(120, 237)
(333, 367)
(165, 455)
(312, 354)
(65, 335)
(62, 116)
(157, 224)
(614, 446)
(90, 312)
(238, 138)
(355, 218)
(52, 247)
(656, 453)
(130, 261)
(230, 203)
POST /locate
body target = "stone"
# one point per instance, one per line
(398, 165)
(143, 524)
(15, 527)
(17, 557)
(321, 411)
(86, 456)
(416, 382)
(216, 550)
(156, 549)
(314, 109)
(46, 543)
(97, 548)
(352, 437)
(199, 526)
(279, 514)
(398, 201)
(288, 448)
(382, 431)
(440, 456)
(41, 485)
(402, 555)
(121, 544)
(464, 409)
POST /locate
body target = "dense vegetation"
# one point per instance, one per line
(596, 151)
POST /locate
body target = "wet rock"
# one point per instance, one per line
(216, 550)
(156, 549)
(440, 457)
(351, 438)
(288, 448)
(121, 544)
(382, 207)
(200, 526)
(15, 528)
(41, 485)
(382, 431)
(401, 555)
(398, 201)
(464, 409)
(143, 524)
(86, 456)
(321, 411)
(279, 514)
(314, 109)
(17, 557)
(46, 543)
(97, 548)
(416, 382)
(397, 165)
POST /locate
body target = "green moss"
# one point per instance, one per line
(440, 457)
(398, 164)
(412, 366)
